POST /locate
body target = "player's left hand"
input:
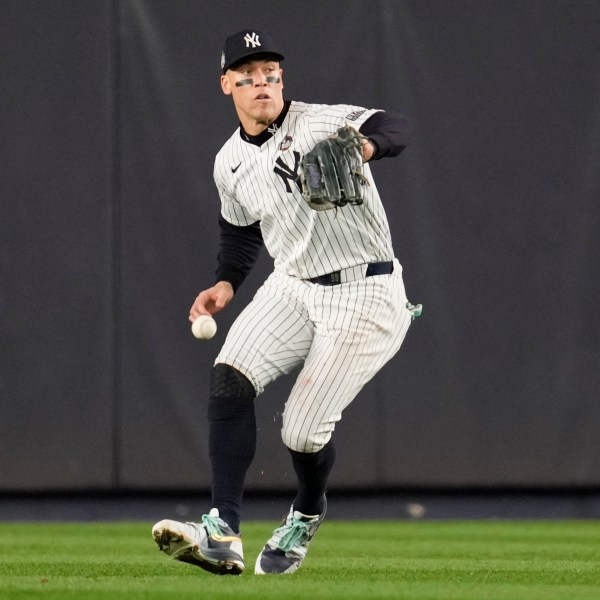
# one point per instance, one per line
(331, 174)
(367, 150)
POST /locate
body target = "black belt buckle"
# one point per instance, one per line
(335, 278)
(380, 268)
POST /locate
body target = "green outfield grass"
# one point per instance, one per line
(420, 560)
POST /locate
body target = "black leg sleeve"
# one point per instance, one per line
(312, 470)
(232, 439)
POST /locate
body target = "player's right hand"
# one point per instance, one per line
(212, 300)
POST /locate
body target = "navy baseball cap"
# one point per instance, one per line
(247, 44)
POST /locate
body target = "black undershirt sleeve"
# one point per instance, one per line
(239, 248)
(389, 132)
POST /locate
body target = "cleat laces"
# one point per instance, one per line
(212, 525)
(292, 535)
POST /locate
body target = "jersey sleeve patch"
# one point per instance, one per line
(355, 115)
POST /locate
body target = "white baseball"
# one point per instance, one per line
(204, 327)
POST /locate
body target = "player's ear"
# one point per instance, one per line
(225, 85)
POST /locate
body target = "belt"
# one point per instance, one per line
(354, 273)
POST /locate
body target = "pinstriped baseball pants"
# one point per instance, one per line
(339, 335)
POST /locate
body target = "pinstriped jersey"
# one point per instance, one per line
(259, 183)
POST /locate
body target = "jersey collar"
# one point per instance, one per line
(267, 134)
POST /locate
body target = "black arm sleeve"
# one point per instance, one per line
(389, 132)
(238, 250)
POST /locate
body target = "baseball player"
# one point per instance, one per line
(334, 306)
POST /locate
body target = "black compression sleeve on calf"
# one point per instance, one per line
(231, 440)
(312, 470)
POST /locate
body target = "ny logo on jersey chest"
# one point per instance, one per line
(288, 174)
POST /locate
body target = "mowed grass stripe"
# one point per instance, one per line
(420, 560)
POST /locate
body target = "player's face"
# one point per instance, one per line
(257, 91)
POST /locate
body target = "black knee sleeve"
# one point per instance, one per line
(230, 393)
(227, 382)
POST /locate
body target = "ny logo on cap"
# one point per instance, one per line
(251, 40)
